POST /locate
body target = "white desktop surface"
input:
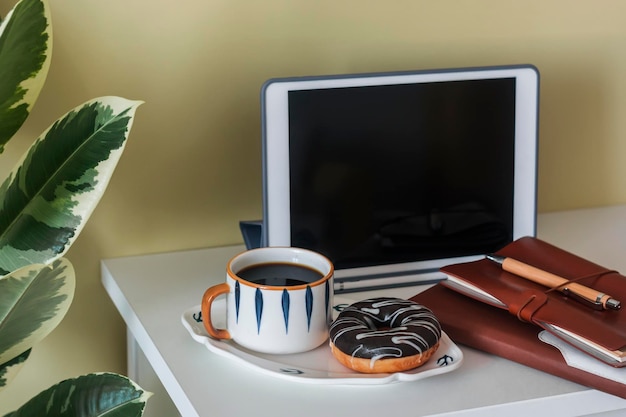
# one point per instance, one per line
(152, 291)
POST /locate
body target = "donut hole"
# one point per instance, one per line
(376, 325)
(371, 324)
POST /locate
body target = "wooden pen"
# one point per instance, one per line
(596, 299)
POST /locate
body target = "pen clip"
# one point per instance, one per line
(596, 305)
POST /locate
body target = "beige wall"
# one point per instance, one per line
(192, 165)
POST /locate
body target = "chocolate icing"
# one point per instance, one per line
(380, 328)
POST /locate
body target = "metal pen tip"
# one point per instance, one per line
(613, 304)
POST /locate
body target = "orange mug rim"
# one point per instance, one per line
(325, 278)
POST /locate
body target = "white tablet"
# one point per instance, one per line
(394, 175)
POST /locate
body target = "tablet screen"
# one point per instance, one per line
(398, 173)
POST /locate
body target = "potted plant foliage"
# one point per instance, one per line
(44, 204)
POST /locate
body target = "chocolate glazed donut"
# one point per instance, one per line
(384, 335)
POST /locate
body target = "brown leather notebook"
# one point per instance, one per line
(489, 329)
(599, 333)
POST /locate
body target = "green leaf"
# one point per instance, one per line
(93, 395)
(33, 301)
(25, 51)
(49, 197)
(9, 369)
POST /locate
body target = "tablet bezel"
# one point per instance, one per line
(275, 139)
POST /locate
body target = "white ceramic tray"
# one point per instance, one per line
(317, 366)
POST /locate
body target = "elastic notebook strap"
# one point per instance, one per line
(527, 304)
(595, 275)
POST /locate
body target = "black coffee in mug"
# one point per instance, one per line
(280, 274)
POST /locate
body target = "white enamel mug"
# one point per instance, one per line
(274, 316)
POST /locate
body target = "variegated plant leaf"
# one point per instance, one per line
(33, 301)
(9, 369)
(25, 51)
(49, 197)
(92, 395)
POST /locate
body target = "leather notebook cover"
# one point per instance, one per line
(596, 332)
(486, 328)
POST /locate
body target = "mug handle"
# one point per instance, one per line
(207, 299)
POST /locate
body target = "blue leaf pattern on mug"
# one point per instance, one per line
(237, 298)
(258, 301)
(327, 300)
(309, 306)
(286, 310)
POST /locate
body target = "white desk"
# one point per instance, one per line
(152, 291)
